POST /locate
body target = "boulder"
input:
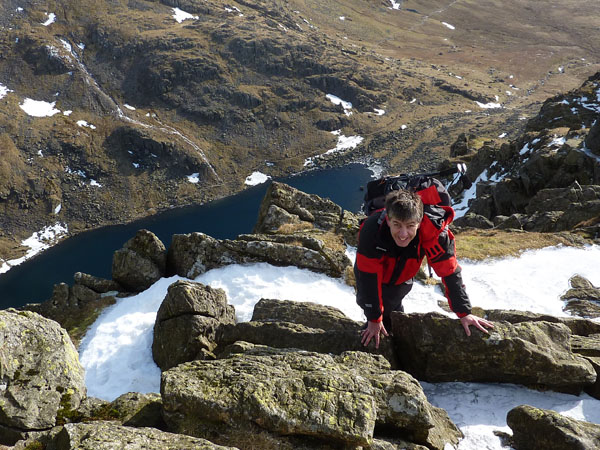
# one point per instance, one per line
(592, 141)
(337, 399)
(303, 325)
(535, 428)
(284, 207)
(322, 213)
(435, 348)
(138, 410)
(306, 313)
(187, 322)
(104, 435)
(42, 380)
(97, 284)
(583, 298)
(584, 336)
(140, 263)
(193, 254)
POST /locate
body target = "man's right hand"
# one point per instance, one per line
(373, 330)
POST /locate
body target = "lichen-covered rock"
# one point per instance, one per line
(193, 254)
(578, 326)
(42, 380)
(435, 348)
(140, 263)
(303, 325)
(110, 435)
(138, 410)
(187, 322)
(535, 429)
(310, 314)
(97, 284)
(300, 206)
(337, 399)
(284, 207)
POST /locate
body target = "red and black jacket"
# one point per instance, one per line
(379, 261)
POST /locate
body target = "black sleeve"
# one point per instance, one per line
(457, 294)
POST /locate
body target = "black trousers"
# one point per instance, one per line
(392, 300)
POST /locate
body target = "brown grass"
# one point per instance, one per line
(479, 245)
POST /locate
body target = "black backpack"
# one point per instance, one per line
(377, 190)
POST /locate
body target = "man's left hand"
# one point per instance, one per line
(480, 323)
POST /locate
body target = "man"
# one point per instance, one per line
(391, 246)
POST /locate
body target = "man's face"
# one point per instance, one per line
(402, 231)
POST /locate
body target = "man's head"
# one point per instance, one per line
(404, 211)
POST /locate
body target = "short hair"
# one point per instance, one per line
(404, 205)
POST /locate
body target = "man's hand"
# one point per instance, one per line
(372, 331)
(480, 323)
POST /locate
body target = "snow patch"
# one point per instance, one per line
(39, 108)
(344, 143)
(194, 178)
(256, 178)
(50, 20)
(447, 25)
(83, 123)
(37, 242)
(180, 15)
(4, 91)
(338, 101)
(490, 105)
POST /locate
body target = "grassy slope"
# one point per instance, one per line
(403, 54)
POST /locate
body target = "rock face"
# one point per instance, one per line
(287, 392)
(535, 428)
(140, 263)
(434, 348)
(109, 436)
(41, 380)
(187, 323)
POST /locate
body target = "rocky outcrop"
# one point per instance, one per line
(548, 179)
(193, 254)
(304, 326)
(435, 348)
(41, 379)
(140, 263)
(337, 399)
(187, 323)
(109, 435)
(583, 342)
(284, 206)
(293, 228)
(535, 428)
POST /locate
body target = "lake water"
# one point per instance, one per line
(91, 252)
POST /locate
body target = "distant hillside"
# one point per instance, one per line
(113, 110)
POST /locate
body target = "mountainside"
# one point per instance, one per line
(113, 110)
